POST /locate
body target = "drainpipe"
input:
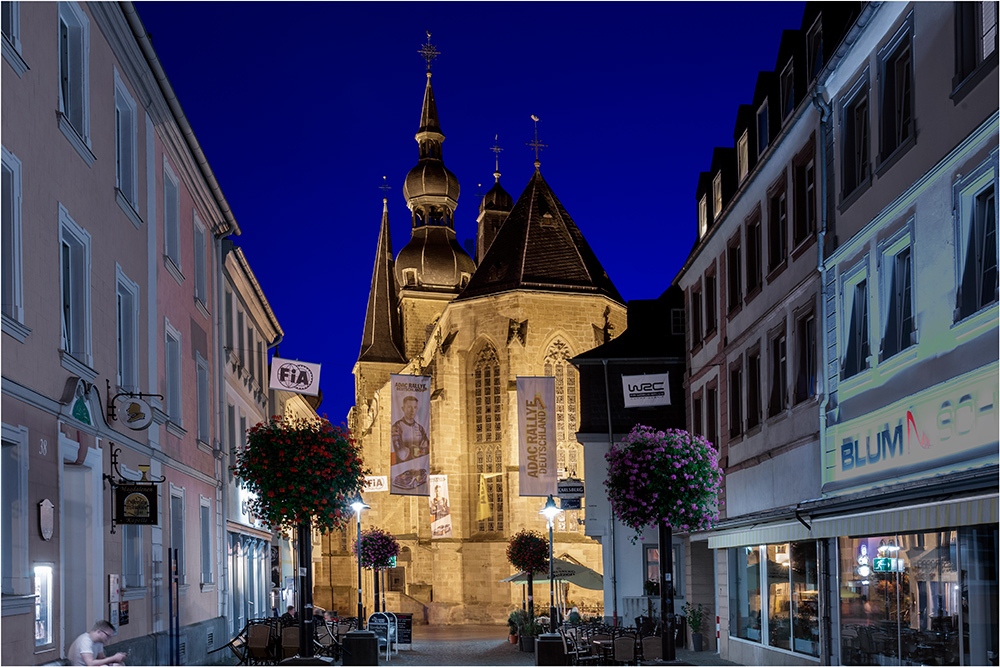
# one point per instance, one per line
(223, 246)
(824, 118)
(614, 545)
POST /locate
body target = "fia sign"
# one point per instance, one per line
(296, 376)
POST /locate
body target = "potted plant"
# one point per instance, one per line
(528, 551)
(514, 622)
(650, 587)
(695, 617)
(529, 629)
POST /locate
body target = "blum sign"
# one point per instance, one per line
(644, 390)
(952, 423)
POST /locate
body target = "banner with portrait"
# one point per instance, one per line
(440, 504)
(409, 456)
(536, 402)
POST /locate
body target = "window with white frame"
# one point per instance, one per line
(854, 321)
(804, 182)
(777, 228)
(172, 352)
(16, 515)
(779, 374)
(248, 354)
(127, 312)
(205, 516)
(763, 138)
(241, 351)
(74, 277)
(10, 199)
(204, 399)
(711, 303)
(975, 37)
(200, 261)
(229, 319)
(74, 50)
(702, 216)
(177, 530)
(976, 240)
(712, 415)
(696, 329)
(787, 84)
(896, 298)
(754, 253)
(896, 78)
(743, 156)
(753, 388)
(856, 135)
(814, 49)
(126, 157)
(717, 195)
(734, 273)
(132, 575)
(171, 214)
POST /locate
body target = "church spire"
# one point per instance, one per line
(382, 340)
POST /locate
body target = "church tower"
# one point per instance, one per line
(432, 268)
(493, 209)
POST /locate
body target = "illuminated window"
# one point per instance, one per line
(702, 216)
(43, 606)
(488, 406)
(742, 156)
(762, 128)
(717, 194)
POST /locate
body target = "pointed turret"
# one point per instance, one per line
(383, 336)
(493, 209)
(539, 247)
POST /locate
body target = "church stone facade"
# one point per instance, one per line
(534, 296)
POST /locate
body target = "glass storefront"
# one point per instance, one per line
(774, 596)
(919, 598)
(249, 583)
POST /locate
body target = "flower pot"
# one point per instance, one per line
(512, 638)
(696, 641)
(527, 644)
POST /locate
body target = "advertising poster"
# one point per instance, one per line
(536, 400)
(410, 460)
(440, 507)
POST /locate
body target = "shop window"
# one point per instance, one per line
(651, 566)
(803, 572)
(745, 593)
(44, 631)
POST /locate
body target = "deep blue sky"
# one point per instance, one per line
(301, 108)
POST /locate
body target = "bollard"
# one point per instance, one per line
(360, 648)
(549, 649)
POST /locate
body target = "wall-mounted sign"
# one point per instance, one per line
(135, 413)
(570, 488)
(297, 376)
(114, 587)
(646, 390)
(135, 504)
(570, 503)
(946, 425)
(46, 518)
(376, 483)
(887, 565)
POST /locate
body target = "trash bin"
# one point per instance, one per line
(360, 648)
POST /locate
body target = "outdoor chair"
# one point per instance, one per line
(289, 641)
(259, 647)
(652, 648)
(625, 650)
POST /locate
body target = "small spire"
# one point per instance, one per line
(496, 150)
(385, 187)
(429, 52)
(535, 144)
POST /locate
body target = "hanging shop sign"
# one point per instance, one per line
(570, 488)
(646, 390)
(130, 408)
(950, 424)
(296, 376)
(135, 504)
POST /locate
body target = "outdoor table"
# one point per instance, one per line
(606, 647)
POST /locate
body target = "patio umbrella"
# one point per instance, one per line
(564, 570)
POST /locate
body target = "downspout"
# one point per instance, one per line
(223, 247)
(614, 545)
(824, 117)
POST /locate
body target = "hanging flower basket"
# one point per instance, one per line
(377, 549)
(303, 472)
(670, 476)
(528, 551)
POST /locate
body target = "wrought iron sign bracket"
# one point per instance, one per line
(113, 411)
(117, 479)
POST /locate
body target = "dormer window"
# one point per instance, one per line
(762, 136)
(409, 276)
(787, 91)
(702, 216)
(465, 279)
(742, 156)
(814, 49)
(717, 194)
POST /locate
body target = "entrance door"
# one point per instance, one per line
(82, 542)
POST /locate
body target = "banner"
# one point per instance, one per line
(297, 376)
(409, 460)
(643, 390)
(536, 401)
(440, 507)
(483, 511)
(374, 483)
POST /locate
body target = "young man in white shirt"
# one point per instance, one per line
(88, 648)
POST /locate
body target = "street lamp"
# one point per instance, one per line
(550, 512)
(357, 505)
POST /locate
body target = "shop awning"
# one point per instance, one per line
(914, 518)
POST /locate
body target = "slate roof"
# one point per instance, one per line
(382, 340)
(539, 247)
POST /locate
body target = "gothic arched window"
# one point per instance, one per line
(569, 453)
(487, 407)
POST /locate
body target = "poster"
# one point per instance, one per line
(123, 613)
(536, 399)
(113, 614)
(440, 507)
(410, 460)
(114, 587)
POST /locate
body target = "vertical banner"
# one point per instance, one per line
(440, 507)
(410, 461)
(536, 401)
(483, 510)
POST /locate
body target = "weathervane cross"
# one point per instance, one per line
(385, 187)
(429, 52)
(496, 150)
(535, 144)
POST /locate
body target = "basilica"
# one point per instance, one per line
(533, 296)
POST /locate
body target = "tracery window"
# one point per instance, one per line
(568, 449)
(488, 406)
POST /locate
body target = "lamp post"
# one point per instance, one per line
(357, 505)
(550, 512)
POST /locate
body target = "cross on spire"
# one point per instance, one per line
(428, 52)
(385, 187)
(496, 150)
(535, 144)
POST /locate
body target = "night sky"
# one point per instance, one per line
(302, 108)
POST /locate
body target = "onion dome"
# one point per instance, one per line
(433, 260)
